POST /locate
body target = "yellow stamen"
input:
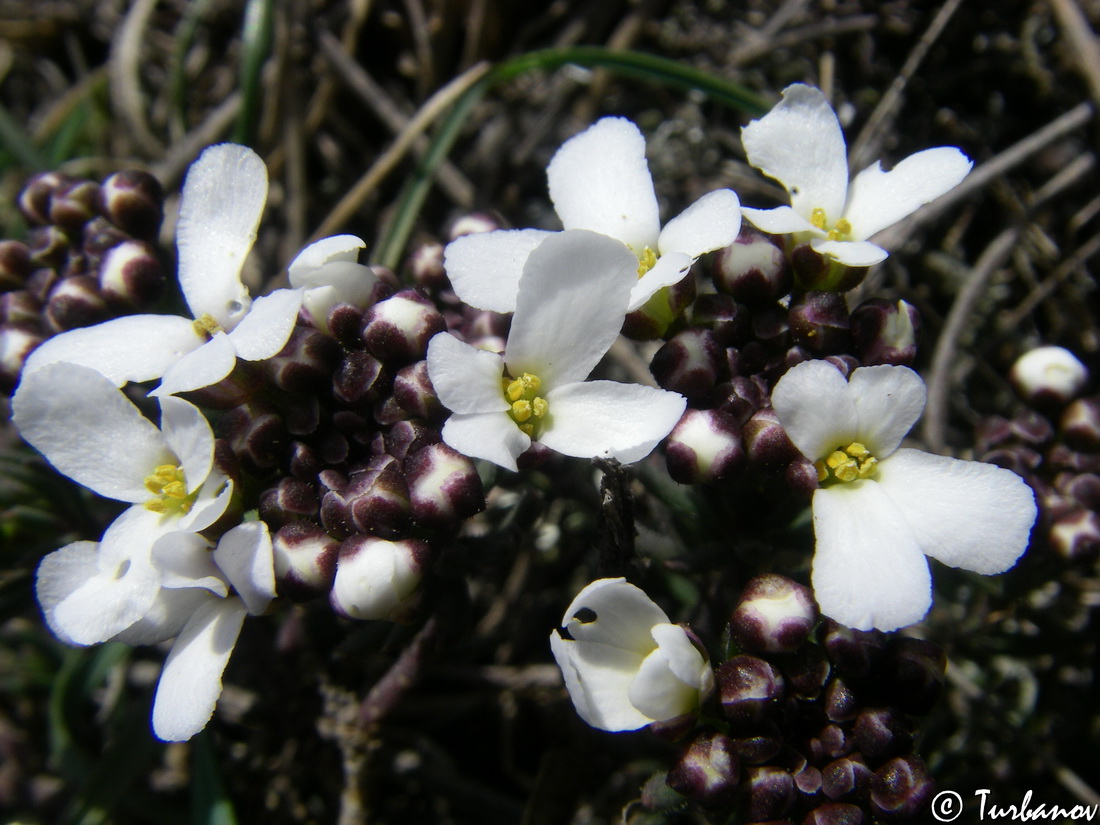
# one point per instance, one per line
(646, 261)
(539, 407)
(521, 410)
(169, 489)
(527, 408)
(206, 325)
(817, 218)
(847, 464)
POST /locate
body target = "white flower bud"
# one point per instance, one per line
(1048, 375)
(376, 579)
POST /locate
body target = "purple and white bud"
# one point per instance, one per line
(20, 309)
(708, 771)
(99, 237)
(75, 302)
(72, 205)
(815, 271)
(1080, 424)
(472, 224)
(704, 447)
(819, 322)
(902, 789)
(692, 363)
(378, 579)
(766, 442)
(16, 345)
(841, 704)
(742, 395)
(444, 487)
(305, 363)
(397, 330)
(653, 319)
(48, 246)
(728, 320)
(886, 332)
(753, 269)
(361, 380)
(767, 793)
(854, 652)
(801, 476)
(880, 733)
(758, 748)
(414, 393)
(425, 264)
(34, 200)
(305, 560)
(15, 265)
(375, 500)
(846, 779)
(134, 201)
(835, 813)
(130, 274)
(1075, 534)
(256, 434)
(288, 501)
(1048, 376)
(774, 615)
(750, 690)
(406, 437)
(806, 670)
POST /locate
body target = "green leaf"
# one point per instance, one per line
(209, 803)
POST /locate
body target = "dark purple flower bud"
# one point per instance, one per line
(708, 771)
(833, 743)
(414, 393)
(806, 671)
(758, 748)
(75, 302)
(913, 672)
(749, 689)
(130, 274)
(375, 500)
(378, 579)
(1083, 488)
(407, 437)
(333, 447)
(34, 200)
(288, 501)
(15, 265)
(880, 733)
(1061, 457)
(1048, 376)
(767, 792)
(766, 442)
(304, 463)
(387, 412)
(100, 236)
(835, 813)
(48, 246)
(704, 447)
(237, 388)
(1021, 460)
(846, 780)
(728, 320)
(20, 309)
(854, 652)
(257, 435)
(770, 327)
(846, 364)
(444, 487)
(807, 782)
(840, 703)
(814, 271)
(753, 269)
(344, 322)
(305, 560)
(302, 413)
(801, 476)
(473, 224)
(742, 396)
(1031, 428)
(1075, 534)
(902, 789)
(886, 332)
(306, 363)
(534, 456)
(653, 319)
(1080, 424)
(425, 264)
(74, 204)
(16, 344)
(133, 200)
(774, 615)
(41, 281)
(360, 380)
(397, 330)
(691, 363)
(820, 323)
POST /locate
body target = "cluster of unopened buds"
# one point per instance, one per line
(349, 412)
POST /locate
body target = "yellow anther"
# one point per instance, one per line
(528, 428)
(847, 472)
(843, 227)
(857, 450)
(867, 468)
(837, 459)
(177, 489)
(848, 464)
(514, 390)
(817, 218)
(822, 470)
(521, 410)
(539, 407)
(169, 489)
(206, 325)
(646, 261)
(531, 383)
(526, 408)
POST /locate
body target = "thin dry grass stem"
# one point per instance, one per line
(1082, 42)
(1049, 284)
(892, 237)
(814, 31)
(626, 355)
(422, 47)
(61, 109)
(170, 168)
(475, 25)
(123, 70)
(1077, 786)
(454, 184)
(625, 36)
(868, 144)
(433, 107)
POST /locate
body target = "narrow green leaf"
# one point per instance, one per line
(15, 138)
(209, 803)
(255, 48)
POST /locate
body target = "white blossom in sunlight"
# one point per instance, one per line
(220, 208)
(881, 509)
(625, 665)
(799, 143)
(600, 181)
(570, 306)
(88, 430)
(329, 273)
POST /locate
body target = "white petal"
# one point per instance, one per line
(212, 501)
(207, 365)
(599, 180)
(710, 223)
(888, 400)
(658, 690)
(89, 430)
(484, 268)
(60, 574)
(319, 253)
(963, 513)
(781, 220)
(334, 283)
(671, 268)
(604, 418)
(223, 198)
(572, 301)
(850, 253)
(466, 379)
(192, 677)
(598, 681)
(185, 562)
(245, 556)
(868, 571)
(492, 436)
(799, 143)
(880, 199)
(267, 327)
(816, 408)
(615, 613)
(189, 436)
(166, 616)
(134, 348)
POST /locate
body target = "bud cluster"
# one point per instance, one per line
(88, 257)
(815, 721)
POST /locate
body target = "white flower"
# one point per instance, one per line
(571, 303)
(599, 180)
(881, 509)
(89, 431)
(329, 273)
(223, 198)
(799, 143)
(625, 665)
(1048, 374)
